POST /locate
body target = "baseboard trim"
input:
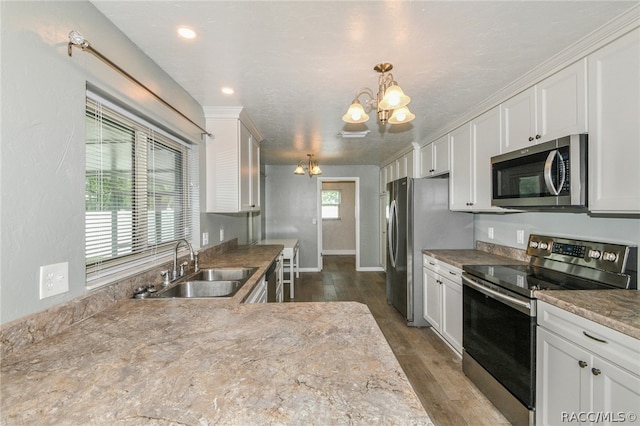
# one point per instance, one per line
(338, 252)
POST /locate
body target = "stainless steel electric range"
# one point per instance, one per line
(499, 312)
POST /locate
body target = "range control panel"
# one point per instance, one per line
(616, 258)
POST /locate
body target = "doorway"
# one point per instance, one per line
(338, 218)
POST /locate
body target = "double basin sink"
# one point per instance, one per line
(215, 282)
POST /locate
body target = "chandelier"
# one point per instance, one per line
(311, 166)
(390, 102)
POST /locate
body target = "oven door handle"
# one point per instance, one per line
(524, 307)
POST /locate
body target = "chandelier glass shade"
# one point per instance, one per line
(391, 101)
(310, 166)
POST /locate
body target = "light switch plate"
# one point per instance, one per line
(205, 238)
(490, 232)
(54, 279)
(520, 236)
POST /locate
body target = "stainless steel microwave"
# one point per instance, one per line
(550, 174)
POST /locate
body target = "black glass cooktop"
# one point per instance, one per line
(525, 279)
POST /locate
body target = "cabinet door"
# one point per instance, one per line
(426, 160)
(486, 143)
(519, 121)
(245, 167)
(452, 313)
(562, 103)
(432, 298)
(461, 195)
(441, 155)
(255, 175)
(562, 378)
(614, 390)
(614, 108)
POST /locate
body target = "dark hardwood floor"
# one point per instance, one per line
(434, 370)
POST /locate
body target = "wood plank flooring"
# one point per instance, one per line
(433, 369)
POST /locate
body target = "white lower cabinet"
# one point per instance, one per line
(259, 293)
(442, 304)
(586, 373)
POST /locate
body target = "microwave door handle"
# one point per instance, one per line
(548, 179)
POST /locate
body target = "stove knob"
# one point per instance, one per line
(608, 256)
(594, 254)
(533, 244)
(543, 246)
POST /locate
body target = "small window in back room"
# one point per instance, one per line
(330, 204)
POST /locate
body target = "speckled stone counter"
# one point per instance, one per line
(201, 362)
(616, 309)
(459, 258)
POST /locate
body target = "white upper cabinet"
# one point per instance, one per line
(461, 188)
(486, 139)
(555, 107)
(434, 158)
(519, 121)
(614, 135)
(562, 103)
(472, 147)
(231, 162)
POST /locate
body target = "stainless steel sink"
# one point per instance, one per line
(223, 274)
(214, 282)
(195, 289)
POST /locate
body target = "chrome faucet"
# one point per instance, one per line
(174, 273)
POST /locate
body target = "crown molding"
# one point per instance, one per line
(236, 113)
(612, 30)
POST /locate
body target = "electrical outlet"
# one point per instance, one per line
(205, 238)
(221, 234)
(54, 279)
(490, 232)
(520, 236)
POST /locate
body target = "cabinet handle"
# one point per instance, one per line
(431, 263)
(452, 273)
(594, 338)
(538, 136)
(596, 371)
(432, 170)
(530, 138)
(582, 364)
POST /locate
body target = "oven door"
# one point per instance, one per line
(499, 333)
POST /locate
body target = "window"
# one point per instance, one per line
(137, 192)
(330, 204)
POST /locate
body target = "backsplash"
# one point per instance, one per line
(42, 325)
(499, 250)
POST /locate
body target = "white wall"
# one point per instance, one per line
(43, 137)
(292, 205)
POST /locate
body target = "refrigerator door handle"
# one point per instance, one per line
(391, 233)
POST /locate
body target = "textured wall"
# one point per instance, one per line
(292, 205)
(43, 137)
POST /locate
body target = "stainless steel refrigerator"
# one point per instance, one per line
(419, 218)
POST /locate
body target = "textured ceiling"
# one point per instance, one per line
(296, 66)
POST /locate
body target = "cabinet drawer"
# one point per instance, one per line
(442, 268)
(607, 343)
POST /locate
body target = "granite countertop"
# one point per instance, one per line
(616, 309)
(462, 257)
(203, 362)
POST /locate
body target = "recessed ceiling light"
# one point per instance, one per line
(227, 90)
(187, 33)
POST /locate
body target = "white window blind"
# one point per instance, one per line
(138, 190)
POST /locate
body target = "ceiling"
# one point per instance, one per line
(296, 66)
